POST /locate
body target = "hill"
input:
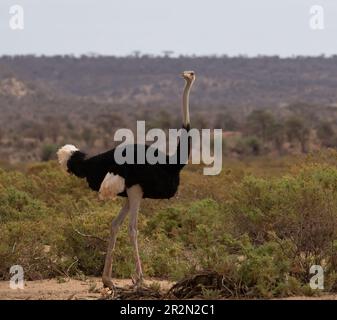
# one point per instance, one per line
(222, 81)
(48, 101)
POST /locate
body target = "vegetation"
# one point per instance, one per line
(258, 226)
(262, 234)
(271, 105)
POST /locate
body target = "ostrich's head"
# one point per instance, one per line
(189, 76)
(64, 154)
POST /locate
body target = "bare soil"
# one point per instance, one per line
(67, 289)
(89, 289)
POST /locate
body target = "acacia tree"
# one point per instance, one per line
(48, 151)
(296, 129)
(278, 136)
(326, 134)
(260, 123)
(226, 122)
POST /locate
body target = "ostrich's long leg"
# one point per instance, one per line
(135, 195)
(116, 223)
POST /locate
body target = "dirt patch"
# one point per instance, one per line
(92, 289)
(325, 296)
(68, 289)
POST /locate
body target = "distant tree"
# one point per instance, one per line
(164, 120)
(69, 125)
(260, 123)
(136, 53)
(278, 136)
(108, 121)
(326, 134)
(200, 121)
(161, 119)
(87, 135)
(168, 53)
(248, 146)
(254, 145)
(52, 129)
(226, 122)
(296, 129)
(33, 129)
(48, 152)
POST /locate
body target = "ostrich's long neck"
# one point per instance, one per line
(186, 125)
(186, 104)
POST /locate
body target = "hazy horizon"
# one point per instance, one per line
(149, 55)
(118, 28)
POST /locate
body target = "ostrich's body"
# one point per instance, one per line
(158, 181)
(133, 181)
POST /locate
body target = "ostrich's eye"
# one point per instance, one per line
(192, 73)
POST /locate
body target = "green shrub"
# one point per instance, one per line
(259, 228)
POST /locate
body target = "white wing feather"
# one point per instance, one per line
(111, 186)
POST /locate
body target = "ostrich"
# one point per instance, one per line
(133, 181)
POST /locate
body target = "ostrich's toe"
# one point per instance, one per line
(138, 281)
(107, 282)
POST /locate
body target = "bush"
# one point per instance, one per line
(258, 228)
(48, 152)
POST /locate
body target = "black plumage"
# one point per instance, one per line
(158, 181)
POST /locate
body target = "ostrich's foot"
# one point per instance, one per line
(107, 283)
(138, 281)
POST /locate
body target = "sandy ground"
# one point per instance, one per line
(65, 289)
(321, 297)
(88, 289)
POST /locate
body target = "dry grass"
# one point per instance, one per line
(260, 224)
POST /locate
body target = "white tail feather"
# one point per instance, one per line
(64, 154)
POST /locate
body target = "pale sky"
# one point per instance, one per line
(118, 27)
